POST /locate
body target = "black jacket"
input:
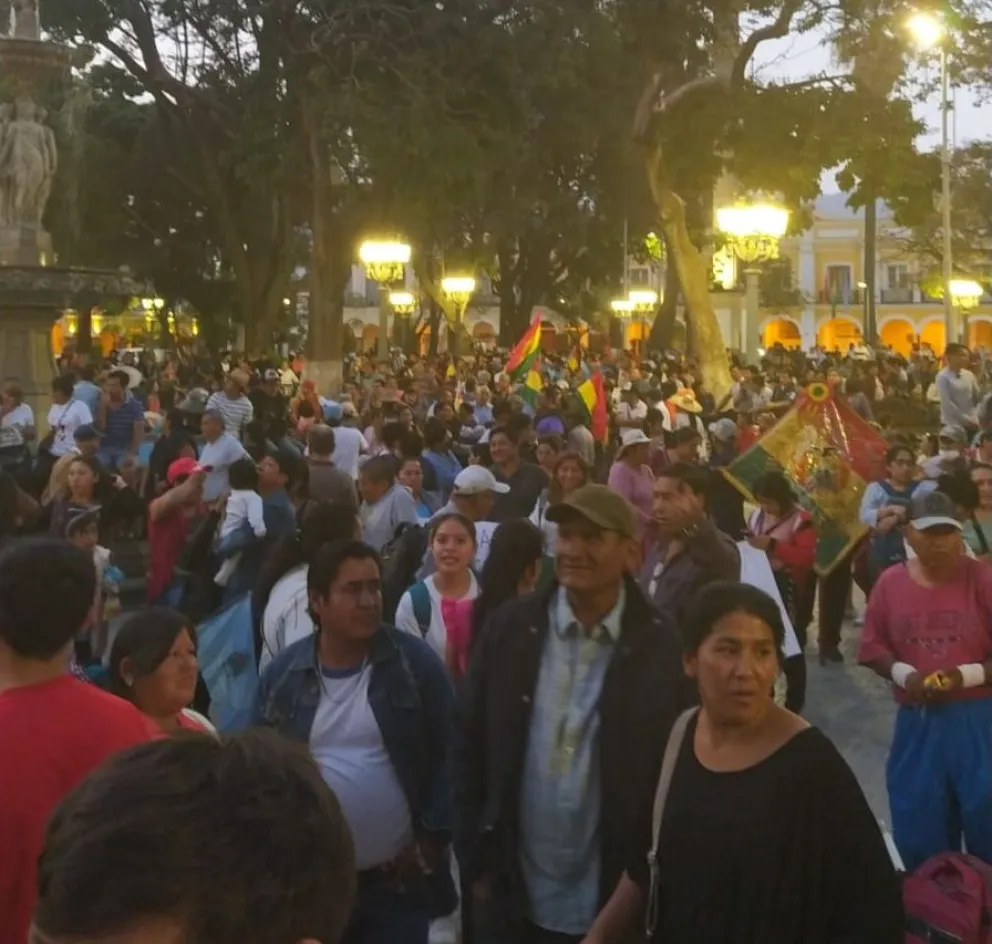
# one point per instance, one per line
(644, 691)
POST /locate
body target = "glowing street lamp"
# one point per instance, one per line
(460, 289)
(643, 299)
(965, 296)
(622, 307)
(753, 231)
(384, 263)
(402, 303)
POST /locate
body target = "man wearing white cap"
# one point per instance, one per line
(473, 496)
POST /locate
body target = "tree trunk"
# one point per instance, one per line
(663, 330)
(324, 364)
(870, 327)
(708, 345)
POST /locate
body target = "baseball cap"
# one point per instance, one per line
(954, 433)
(331, 410)
(477, 479)
(271, 374)
(933, 510)
(631, 437)
(349, 409)
(183, 468)
(85, 433)
(599, 505)
(724, 430)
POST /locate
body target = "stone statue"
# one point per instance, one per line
(24, 22)
(28, 162)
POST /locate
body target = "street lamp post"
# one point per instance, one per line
(460, 289)
(384, 263)
(965, 296)
(753, 232)
(403, 304)
(928, 31)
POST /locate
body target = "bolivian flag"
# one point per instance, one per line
(830, 454)
(532, 387)
(525, 352)
(593, 398)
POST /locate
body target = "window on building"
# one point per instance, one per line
(839, 283)
(639, 276)
(897, 275)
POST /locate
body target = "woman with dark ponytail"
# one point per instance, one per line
(281, 594)
(511, 570)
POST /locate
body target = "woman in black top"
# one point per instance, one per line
(766, 837)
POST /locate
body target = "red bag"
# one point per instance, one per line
(949, 899)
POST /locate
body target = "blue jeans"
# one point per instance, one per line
(939, 778)
(111, 457)
(385, 916)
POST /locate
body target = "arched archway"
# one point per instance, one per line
(932, 333)
(838, 334)
(980, 332)
(899, 334)
(782, 331)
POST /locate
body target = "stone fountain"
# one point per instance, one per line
(34, 290)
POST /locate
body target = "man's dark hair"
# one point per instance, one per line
(236, 839)
(63, 384)
(955, 348)
(519, 423)
(392, 433)
(502, 411)
(322, 441)
(87, 373)
(411, 445)
(288, 463)
(435, 433)
(693, 477)
(379, 469)
(508, 431)
(685, 434)
(776, 486)
(121, 376)
(895, 451)
(328, 561)
(47, 588)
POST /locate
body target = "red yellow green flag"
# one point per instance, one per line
(533, 385)
(593, 398)
(526, 351)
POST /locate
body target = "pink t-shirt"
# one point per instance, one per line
(637, 487)
(457, 616)
(931, 628)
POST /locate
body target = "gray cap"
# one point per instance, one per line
(933, 510)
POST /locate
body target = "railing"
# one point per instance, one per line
(896, 296)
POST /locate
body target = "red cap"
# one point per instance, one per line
(183, 468)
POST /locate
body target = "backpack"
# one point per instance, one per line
(888, 549)
(401, 559)
(948, 899)
(420, 597)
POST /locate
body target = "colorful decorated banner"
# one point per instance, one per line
(830, 454)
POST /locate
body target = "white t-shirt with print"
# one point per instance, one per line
(64, 419)
(13, 424)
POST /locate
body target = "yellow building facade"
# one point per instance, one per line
(827, 263)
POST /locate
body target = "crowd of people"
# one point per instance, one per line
(509, 672)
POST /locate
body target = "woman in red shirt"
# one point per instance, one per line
(153, 665)
(785, 532)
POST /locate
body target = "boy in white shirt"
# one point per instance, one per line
(243, 510)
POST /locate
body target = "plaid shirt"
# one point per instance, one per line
(560, 808)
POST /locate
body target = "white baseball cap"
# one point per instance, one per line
(477, 479)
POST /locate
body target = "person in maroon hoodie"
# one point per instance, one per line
(785, 532)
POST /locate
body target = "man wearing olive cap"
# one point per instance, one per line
(569, 702)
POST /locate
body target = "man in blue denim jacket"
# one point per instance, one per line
(375, 708)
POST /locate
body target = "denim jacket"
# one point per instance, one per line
(413, 704)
